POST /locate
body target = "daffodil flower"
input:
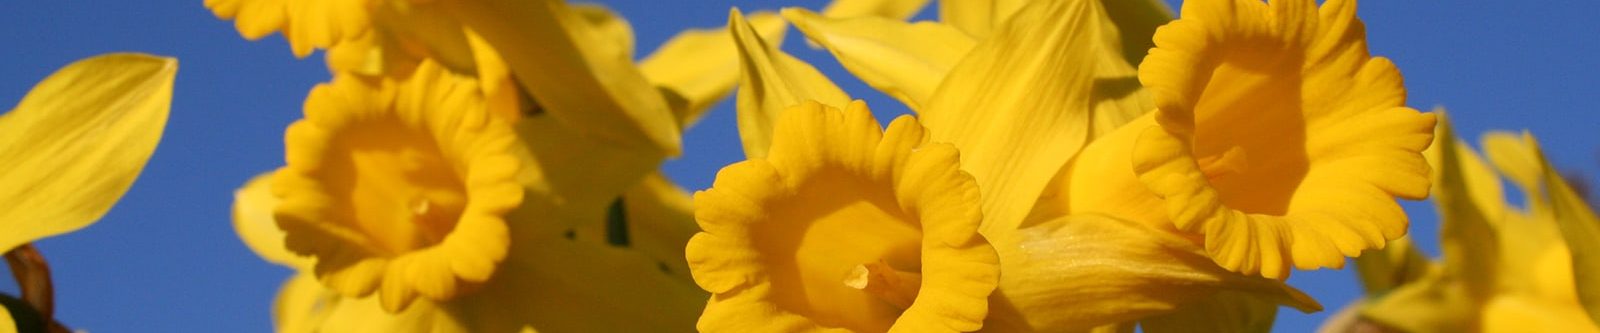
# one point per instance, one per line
(843, 225)
(1504, 269)
(505, 227)
(73, 146)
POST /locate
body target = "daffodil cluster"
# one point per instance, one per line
(1071, 165)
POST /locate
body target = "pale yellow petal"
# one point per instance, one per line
(1137, 271)
(77, 141)
(898, 10)
(770, 82)
(1018, 116)
(905, 60)
(698, 67)
(253, 221)
(575, 74)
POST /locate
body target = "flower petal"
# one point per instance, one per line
(770, 82)
(1395, 265)
(1468, 239)
(574, 72)
(1018, 116)
(252, 220)
(78, 140)
(1137, 271)
(698, 67)
(905, 60)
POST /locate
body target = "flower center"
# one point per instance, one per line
(393, 183)
(827, 234)
(1252, 104)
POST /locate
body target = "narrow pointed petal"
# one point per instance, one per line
(898, 10)
(1018, 116)
(1467, 239)
(1225, 311)
(573, 71)
(770, 82)
(905, 60)
(252, 220)
(699, 67)
(423, 31)
(78, 140)
(1137, 271)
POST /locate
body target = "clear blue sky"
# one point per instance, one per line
(166, 258)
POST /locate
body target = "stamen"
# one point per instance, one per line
(888, 284)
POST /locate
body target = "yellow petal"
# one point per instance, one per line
(1225, 311)
(1469, 242)
(1018, 116)
(770, 82)
(898, 10)
(905, 60)
(576, 74)
(77, 141)
(1137, 271)
(698, 67)
(979, 18)
(612, 30)
(252, 220)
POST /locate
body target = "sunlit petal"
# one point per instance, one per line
(77, 141)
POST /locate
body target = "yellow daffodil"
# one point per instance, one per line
(421, 210)
(1264, 110)
(73, 145)
(843, 225)
(1504, 269)
(401, 188)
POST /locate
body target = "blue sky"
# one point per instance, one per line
(166, 258)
